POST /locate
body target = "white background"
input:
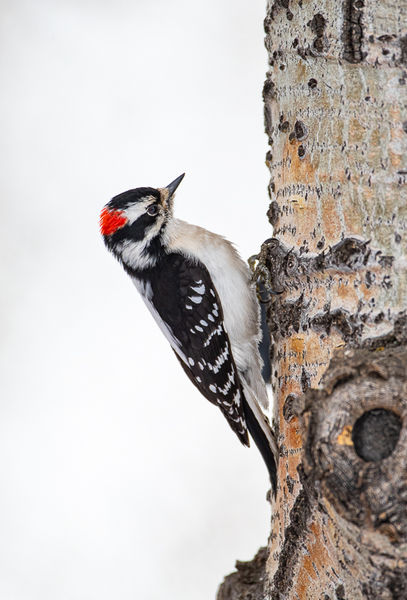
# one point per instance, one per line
(117, 480)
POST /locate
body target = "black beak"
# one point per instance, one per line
(173, 185)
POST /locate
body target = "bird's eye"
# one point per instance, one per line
(152, 210)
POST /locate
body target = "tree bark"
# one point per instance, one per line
(335, 101)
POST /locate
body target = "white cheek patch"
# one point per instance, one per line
(152, 231)
(133, 254)
(136, 210)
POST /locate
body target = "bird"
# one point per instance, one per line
(200, 293)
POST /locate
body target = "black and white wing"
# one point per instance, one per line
(186, 306)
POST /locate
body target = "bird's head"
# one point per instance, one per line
(133, 222)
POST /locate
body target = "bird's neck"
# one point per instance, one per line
(138, 257)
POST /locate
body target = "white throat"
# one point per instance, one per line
(135, 254)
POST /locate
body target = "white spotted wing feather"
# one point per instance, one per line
(187, 308)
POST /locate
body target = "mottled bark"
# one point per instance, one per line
(336, 116)
(247, 581)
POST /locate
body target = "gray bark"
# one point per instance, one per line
(335, 101)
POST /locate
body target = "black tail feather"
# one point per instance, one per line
(262, 443)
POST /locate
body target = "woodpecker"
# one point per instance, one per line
(200, 293)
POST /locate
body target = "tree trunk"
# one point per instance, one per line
(336, 116)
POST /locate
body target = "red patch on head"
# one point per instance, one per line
(111, 221)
